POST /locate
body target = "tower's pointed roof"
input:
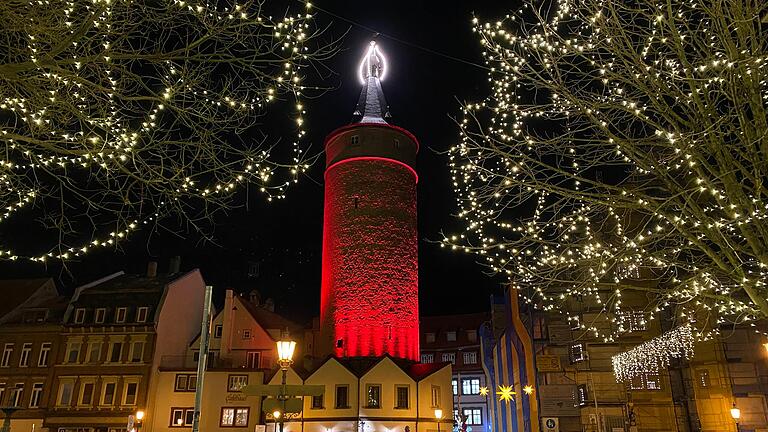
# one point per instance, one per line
(371, 106)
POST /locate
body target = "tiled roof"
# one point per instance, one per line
(15, 292)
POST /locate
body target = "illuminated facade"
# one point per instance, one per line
(369, 297)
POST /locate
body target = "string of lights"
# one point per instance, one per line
(123, 134)
(654, 355)
(612, 156)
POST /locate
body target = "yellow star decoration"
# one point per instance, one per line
(484, 390)
(528, 390)
(505, 393)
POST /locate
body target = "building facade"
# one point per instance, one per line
(454, 339)
(30, 335)
(115, 331)
(576, 388)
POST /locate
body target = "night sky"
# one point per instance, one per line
(423, 90)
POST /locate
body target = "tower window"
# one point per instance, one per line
(397, 143)
(355, 140)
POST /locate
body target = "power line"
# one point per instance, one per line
(396, 39)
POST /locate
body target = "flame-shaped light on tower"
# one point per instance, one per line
(373, 64)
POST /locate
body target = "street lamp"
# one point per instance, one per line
(736, 414)
(438, 416)
(285, 349)
(139, 418)
(276, 417)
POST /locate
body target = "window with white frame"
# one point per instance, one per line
(435, 396)
(2, 392)
(234, 417)
(185, 383)
(427, 358)
(317, 402)
(578, 352)
(141, 314)
(474, 416)
(252, 359)
(470, 357)
(182, 417)
(137, 351)
(100, 315)
(16, 395)
(65, 393)
(7, 353)
(450, 336)
(455, 386)
(373, 391)
(120, 314)
(131, 393)
(26, 351)
(79, 315)
(108, 391)
(94, 351)
(236, 382)
(115, 351)
(86, 393)
(45, 351)
(402, 396)
(36, 396)
(449, 357)
(73, 351)
(246, 333)
(470, 386)
(217, 330)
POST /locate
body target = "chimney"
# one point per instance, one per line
(174, 265)
(255, 297)
(152, 269)
(227, 324)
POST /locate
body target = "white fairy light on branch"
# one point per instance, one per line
(611, 156)
(123, 114)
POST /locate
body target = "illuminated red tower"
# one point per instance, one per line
(370, 295)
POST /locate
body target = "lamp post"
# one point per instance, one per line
(276, 417)
(736, 414)
(438, 417)
(285, 349)
(139, 418)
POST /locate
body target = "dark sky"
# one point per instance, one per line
(422, 90)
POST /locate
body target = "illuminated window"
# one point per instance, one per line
(234, 417)
(474, 416)
(703, 378)
(252, 359)
(374, 395)
(581, 394)
(181, 417)
(577, 352)
(427, 358)
(449, 357)
(470, 357)
(470, 386)
(455, 385)
(235, 383)
(185, 382)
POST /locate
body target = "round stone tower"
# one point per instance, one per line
(369, 296)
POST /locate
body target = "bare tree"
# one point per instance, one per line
(119, 113)
(623, 146)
